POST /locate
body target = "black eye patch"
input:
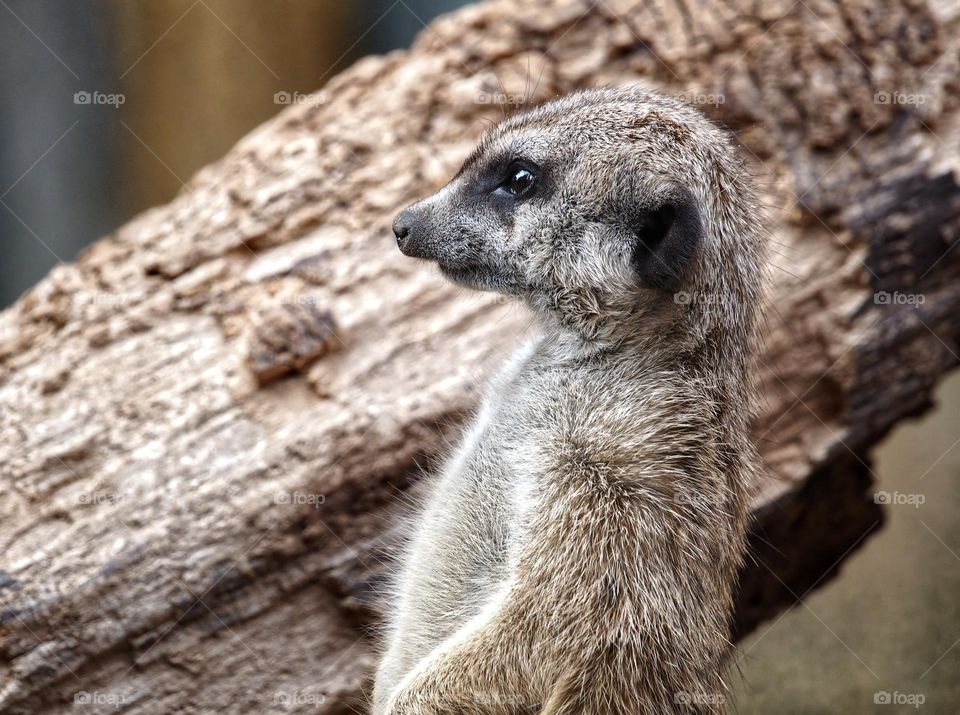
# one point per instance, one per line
(507, 177)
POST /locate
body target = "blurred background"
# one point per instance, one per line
(106, 108)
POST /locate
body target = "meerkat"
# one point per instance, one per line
(578, 552)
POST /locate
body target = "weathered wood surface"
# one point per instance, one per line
(206, 421)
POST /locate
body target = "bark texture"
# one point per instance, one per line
(208, 420)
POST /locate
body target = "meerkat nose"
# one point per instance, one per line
(401, 227)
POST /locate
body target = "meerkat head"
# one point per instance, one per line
(613, 211)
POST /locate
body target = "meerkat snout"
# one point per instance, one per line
(416, 238)
(401, 227)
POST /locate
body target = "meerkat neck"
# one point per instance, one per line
(562, 345)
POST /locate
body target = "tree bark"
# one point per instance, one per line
(209, 420)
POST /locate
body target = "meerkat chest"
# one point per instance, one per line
(501, 453)
(489, 473)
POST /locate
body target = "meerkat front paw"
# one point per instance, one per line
(430, 701)
(407, 702)
(415, 700)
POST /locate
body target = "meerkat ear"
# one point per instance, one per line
(667, 237)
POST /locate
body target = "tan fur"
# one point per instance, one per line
(578, 551)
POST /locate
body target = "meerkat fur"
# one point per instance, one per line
(578, 551)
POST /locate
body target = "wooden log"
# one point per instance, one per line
(208, 420)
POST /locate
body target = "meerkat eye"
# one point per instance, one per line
(518, 181)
